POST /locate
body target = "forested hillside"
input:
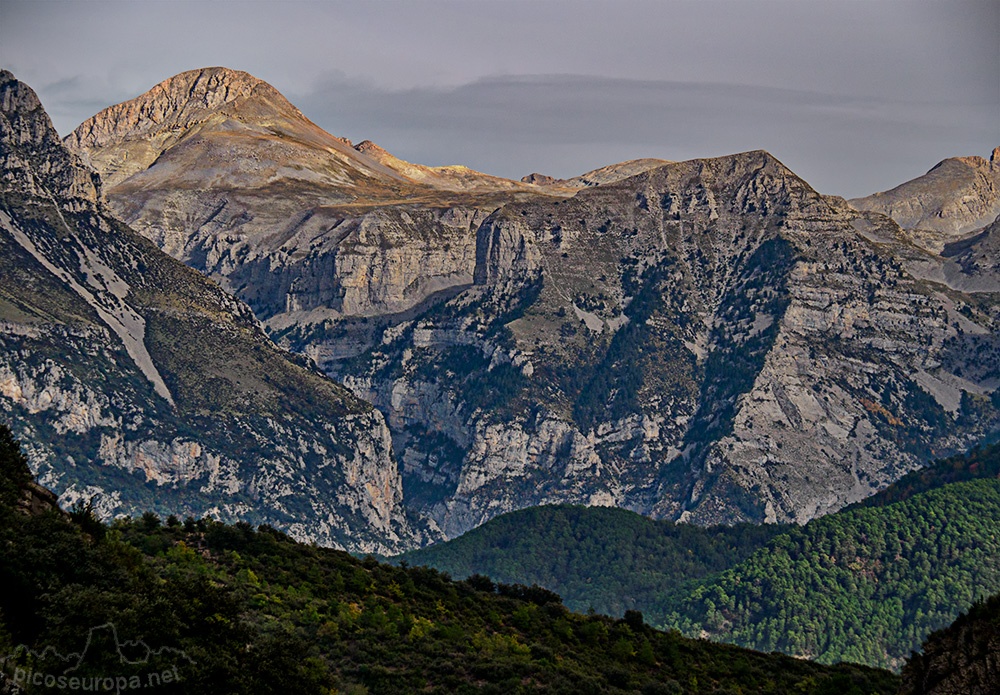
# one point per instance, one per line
(604, 558)
(865, 584)
(231, 609)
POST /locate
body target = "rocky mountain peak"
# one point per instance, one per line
(957, 196)
(184, 100)
(371, 149)
(23, 111)
(29, 143)
(540, 179)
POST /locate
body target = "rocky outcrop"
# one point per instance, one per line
(597, 177)
(958, 196)
(962, 658)
(978, 255)
(134, 380)
(540, 179)
(36, 499)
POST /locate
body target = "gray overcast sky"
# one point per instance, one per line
(854, 95)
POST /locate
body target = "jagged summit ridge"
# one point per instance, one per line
(18, 98)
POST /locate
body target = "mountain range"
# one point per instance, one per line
(708, 341)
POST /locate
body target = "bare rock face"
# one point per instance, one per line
(222, 173)
(958, 196)
(597, 177)
(28, 129)
(979, 254)
(133, 379)
(540, 179)
(711, 341)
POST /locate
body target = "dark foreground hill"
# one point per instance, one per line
(962, 658)
(866, 584)
(230, 609)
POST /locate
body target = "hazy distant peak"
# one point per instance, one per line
(454, 177)
(958, 195)
(597, 177)
(184, 100)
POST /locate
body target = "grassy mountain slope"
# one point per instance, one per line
(250, 611)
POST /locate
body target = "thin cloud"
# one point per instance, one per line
(566, 124)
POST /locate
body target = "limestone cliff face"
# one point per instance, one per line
(957, 196)
(133, 379)
(711, 341)
(29, 132)
(221, 172)
(381, 262)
